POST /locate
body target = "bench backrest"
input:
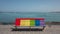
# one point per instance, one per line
(29, 22)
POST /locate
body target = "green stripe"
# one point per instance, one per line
(32, 22)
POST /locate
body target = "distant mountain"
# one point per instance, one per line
(56, 12)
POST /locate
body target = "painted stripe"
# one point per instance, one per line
(31, 18)
(32, 22)
(42, 23)
(37, 22)
(25, 23)
(17, 22)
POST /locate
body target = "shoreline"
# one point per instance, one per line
(47, 23)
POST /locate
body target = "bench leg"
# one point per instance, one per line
(43, 27)
(15, 27)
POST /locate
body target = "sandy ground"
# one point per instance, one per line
(6, 29)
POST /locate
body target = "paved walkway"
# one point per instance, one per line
(6, 29)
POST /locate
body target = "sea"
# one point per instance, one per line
(9, 17)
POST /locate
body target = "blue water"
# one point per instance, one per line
(10, 17)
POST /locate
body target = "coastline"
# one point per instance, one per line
(46, 23)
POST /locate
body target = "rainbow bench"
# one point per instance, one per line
(29, 22)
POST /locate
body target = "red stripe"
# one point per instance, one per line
(31, 18)
(17, 22)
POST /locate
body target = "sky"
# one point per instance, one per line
(29, 5)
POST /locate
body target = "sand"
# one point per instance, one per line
(6, 29)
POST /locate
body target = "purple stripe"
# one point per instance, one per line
(42, 23)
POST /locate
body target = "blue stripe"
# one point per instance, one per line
(37, 22)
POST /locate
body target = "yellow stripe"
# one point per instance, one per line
(25, 23)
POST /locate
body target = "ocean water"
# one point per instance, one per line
(10, 17)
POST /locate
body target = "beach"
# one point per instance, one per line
(6, 29)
